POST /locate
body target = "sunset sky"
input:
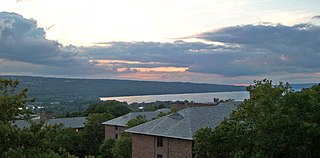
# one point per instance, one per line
(204, 41)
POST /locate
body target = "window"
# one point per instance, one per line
(116, 136)
(116, 127)
(159, 156)
(159, 141)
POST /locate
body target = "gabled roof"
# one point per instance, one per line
(184, 123)
(123, 120)
(73, 122)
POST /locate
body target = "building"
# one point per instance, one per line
(74, 122)
(171, 136)
(178, 105)
(116, 126)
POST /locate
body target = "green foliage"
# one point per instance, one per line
(123, 146)
(154, 106)
(136, 121)
(94, 132)
(23, 142)
(112, 107)
(7, 137)
(106, 149)
(68, 108)
(27, 153)
(150, 106)
(161, 114)
(12, 103)
(34, 141)
(202, 148)
(275, 122)
(70, 140)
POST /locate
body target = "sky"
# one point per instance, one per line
(207, 41)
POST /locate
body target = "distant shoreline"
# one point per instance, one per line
(196, 97)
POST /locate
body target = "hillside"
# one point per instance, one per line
(56, 89)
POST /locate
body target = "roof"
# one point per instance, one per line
(184, 123)
(73, 122)
(123, 120)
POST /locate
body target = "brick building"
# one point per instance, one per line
(116, 126)
(172, 136)
(183, 105)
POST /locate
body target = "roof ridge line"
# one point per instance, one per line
(158, 123)
(189, 123)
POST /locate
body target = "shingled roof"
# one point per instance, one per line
(73, 122)
(123, 120)
(184, 123)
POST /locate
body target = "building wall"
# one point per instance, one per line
(142, 146)
(179, 148)
(111, 132)
(145, 146)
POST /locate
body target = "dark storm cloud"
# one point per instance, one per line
(197, 56)
(274, 48)
(316, 17)
(155, 54)
(246, 50)
(22, 41)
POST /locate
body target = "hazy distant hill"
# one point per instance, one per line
(56, 89)
(298, 87)
(44, 88)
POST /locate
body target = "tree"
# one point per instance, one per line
(123, 146)
(106, 149)
(22, 152)
(23, 142)
(136, 121)
(202, 147)
(111, 107)
(70, 140)
(94, 132)
(274, 122)
(12, 103)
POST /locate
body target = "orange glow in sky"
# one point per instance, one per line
(155, 69)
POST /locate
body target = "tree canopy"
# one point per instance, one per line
(137, 121)
(32, 142)
(41, 140)
(123, 146)
(274, 122)
(113, 107)
(12, 103)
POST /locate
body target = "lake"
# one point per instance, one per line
(196, 97)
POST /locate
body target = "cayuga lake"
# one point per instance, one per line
(195, 97)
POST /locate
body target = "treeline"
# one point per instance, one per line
(274, 122)
(59, 89)
(54, 141)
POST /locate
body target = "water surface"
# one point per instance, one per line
(196, 97)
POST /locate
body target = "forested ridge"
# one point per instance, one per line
(57, 89)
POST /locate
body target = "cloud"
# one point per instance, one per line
(316, 17)
(22, 41)
(235, 53)
(152, 54)
(270, 48)
(247, 50)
